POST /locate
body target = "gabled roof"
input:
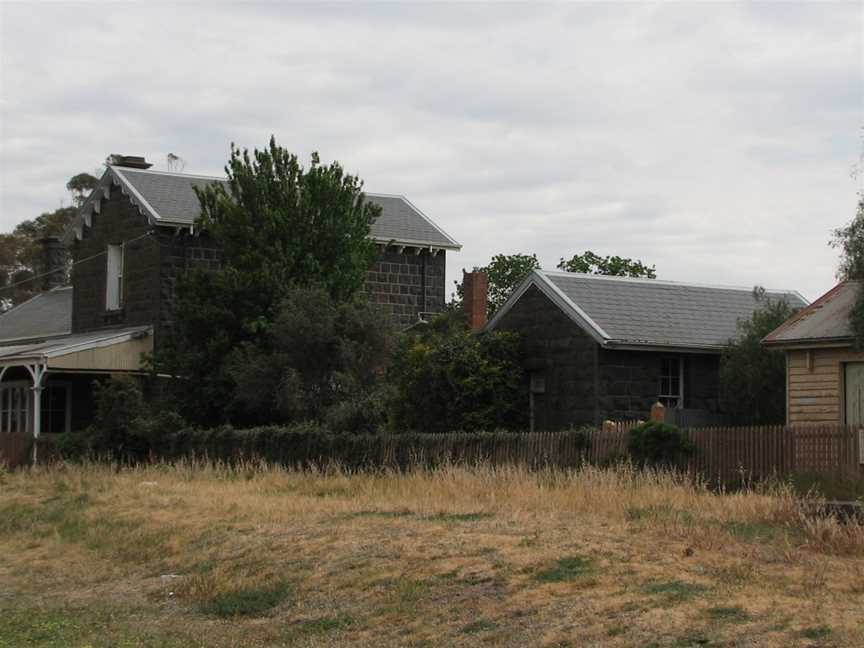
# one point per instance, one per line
(622, 312)
(169, 199)
(826, 320)
(47, 315)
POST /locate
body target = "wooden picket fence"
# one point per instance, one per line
(722, 454)
(730, 454)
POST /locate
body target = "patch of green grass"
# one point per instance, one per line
(459, 517)
(481, 625)
(93, 626)
(384, 514)
(252, 601)
(324, 625)
(692, 641)
(675, 591)
(616, 631)
(658, 513)
(816, 632)
(732, 613)
(566, 569)
(754, 531)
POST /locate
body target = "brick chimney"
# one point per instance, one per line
(475, 287)
(53, 262)
(129, 161)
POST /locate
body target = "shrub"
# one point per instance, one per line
(123, 427)
(453, 379)
(658, 444)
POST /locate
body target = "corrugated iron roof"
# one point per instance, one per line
(825, 320)
(46, 315)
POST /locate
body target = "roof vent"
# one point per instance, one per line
(129, 161)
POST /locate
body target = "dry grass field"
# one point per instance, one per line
(192, 555)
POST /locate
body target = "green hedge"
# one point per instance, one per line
(309, 444)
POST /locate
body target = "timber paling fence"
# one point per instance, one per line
(723, 454)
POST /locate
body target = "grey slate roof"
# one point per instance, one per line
(48, 314)
(825, 320)
(620, 311)
(170, 198)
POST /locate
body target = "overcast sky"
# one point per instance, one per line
(715, 141)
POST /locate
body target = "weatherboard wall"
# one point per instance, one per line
(815, 384)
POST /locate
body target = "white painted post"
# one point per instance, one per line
(37, 372)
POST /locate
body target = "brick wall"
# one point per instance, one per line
(397, 281)
(555, 348)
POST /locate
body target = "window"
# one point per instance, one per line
(56, 410)
(14, 410)
(672, 382)
(114, 286)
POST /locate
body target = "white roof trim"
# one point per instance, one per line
(568, 306)
(414, 243)
(136, 195)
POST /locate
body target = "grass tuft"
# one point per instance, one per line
(675, 590)
(252, 601)
(566, 569)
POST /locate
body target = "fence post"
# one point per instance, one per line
(658, 412)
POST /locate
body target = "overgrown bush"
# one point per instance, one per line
(321, 359)
(658, 444)
(124, 427)
(446, 378)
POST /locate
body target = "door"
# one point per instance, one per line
(854, 381)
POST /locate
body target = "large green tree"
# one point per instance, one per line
(279, 225)
(21, 256)
(850, 241)
(591, 263)
(505, 272)
(753, 377)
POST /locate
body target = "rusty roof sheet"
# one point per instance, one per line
(825, 320)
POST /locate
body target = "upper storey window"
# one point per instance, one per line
(114, 286)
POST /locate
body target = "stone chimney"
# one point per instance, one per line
(475, 288)
(129, 161)
(53, 263)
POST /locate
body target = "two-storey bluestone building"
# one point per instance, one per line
(132, 238)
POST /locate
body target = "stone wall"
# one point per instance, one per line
(119, 221)
(153, 258)
(398, 281)
(560, 352)
(629, 382)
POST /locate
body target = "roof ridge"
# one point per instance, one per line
(167, 173)
(667, 282)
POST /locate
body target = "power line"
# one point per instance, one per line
(72, 265)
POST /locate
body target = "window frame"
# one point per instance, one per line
(667, 398)
(114, 273)
(6, 410)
